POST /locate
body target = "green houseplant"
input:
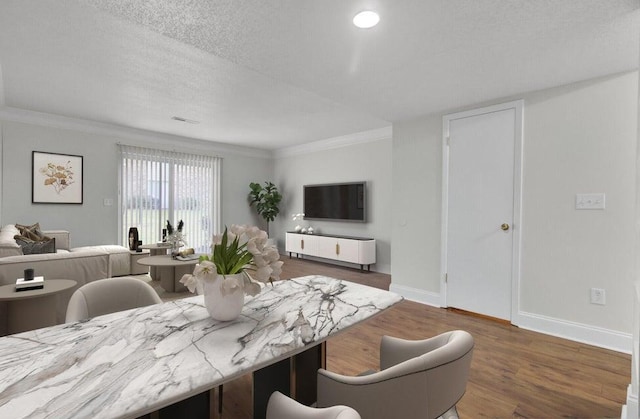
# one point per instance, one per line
(266, 199)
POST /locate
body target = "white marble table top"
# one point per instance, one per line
(134, 362)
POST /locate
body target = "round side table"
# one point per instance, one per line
(156, 249)
(170, 270)
(33, 309)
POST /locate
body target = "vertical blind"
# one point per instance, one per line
(159, 185)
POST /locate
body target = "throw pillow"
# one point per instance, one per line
(33, 231)
(30, 247)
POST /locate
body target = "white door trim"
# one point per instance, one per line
(518, 106)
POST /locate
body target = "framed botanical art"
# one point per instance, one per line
(56, 178)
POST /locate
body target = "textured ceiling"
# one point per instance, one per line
(272, 74)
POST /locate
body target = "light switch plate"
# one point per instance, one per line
(590, 201)
(107, 202)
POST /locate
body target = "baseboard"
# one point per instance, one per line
(592, 335)
(630, 410)
(417, 295)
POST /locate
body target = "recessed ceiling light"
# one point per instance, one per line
(181, 119)
(366, 19)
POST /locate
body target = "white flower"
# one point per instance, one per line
(276, 269)
(205, 270)
(252, 247)
(271, 254)
(252, 288)
(263, 273)
(190, 282)
(238, 230)
(260, 261)
(230, 284)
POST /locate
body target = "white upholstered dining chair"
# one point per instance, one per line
(417, 379)
(283, 407)
(109, 295)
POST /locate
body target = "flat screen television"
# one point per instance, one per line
(336, 201)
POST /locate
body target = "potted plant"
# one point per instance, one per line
(266, 199)
(240, 256)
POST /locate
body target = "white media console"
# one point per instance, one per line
(361, 251)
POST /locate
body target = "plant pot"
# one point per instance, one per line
(223, 307)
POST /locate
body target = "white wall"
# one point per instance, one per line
(577, 139)
(92, 222)
(368, 161)
(417, 189)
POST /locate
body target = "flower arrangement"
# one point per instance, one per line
(239, 250)
(176, 238)
(296, 217)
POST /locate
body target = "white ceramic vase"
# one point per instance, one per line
(223, 307)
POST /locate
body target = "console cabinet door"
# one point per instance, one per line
(326, 247)
(348, 250)
(345, 250)
(300, 243)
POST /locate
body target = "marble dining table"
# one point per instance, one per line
(131, 363)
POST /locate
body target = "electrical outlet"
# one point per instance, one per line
(107, 202)
(598, 296)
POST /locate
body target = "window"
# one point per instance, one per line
(157, 185)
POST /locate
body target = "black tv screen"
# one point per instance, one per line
(338, 201)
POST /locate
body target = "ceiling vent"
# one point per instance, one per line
(181, 119)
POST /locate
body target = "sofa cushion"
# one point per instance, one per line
(32, 232)
(119, 257)
(32, 247)
(8, 246)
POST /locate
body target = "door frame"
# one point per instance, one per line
(518, 107)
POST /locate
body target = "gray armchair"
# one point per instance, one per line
(108, 296)
(282, 407)
(417, 379)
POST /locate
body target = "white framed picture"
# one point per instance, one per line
(56, 178)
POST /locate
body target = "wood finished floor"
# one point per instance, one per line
(514, 372)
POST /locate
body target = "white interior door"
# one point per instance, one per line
(479, 229)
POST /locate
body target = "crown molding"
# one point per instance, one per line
(120, 132)
(385, 133)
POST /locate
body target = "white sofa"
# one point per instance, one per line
(82, 264)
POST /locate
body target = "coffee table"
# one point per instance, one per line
(33, 309)
(156, 249)
(170, 270)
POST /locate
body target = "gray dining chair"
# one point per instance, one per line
(109, 295)
(283, 407)
(417, 379)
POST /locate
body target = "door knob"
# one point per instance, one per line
(505, 226)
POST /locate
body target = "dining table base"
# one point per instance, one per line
(295, 376)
